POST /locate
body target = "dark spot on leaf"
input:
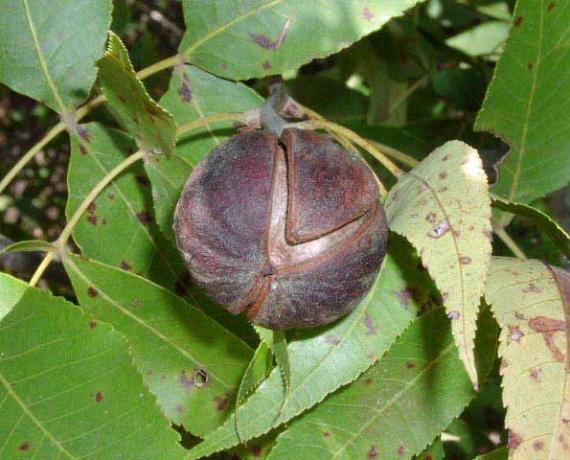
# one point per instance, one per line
(111, 196)
(186, 380)
(401, 451)
(144, 217)
(442, 175)
(428, 457)
(256, 451)
(431, 217)
(405, 295)
(367, 15)
(179, 408)
(125, 265)
(150, 373)
(544, 324)
(92, 292)
(438, 231)
(99, 396)
(200, 378)
(82, 149)
(143, 180)
(327, 434)
(551, 6)
(122, 98)
(368, 381)
(514, 441)
(464, 260)
(370, 325)
(442, 189)
(515, 334)
(221, 403)
(264, 41)
(444, 296)
(538, 445)
(533, 288)
(92, 324)
(445, 158)
(488, 234)
(410, 365)
(332, 339)
(24, 446)
(519, 316)
(92, 219)
(266, 65)
(454, 315)
(84, 133)
(518, 21)
(530, 66)
(504, 363)
(92, 207)
(185, 92)
(536, 374)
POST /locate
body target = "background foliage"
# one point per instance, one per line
(126, 358)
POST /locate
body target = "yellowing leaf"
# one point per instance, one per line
(531, 302)
(442, 207)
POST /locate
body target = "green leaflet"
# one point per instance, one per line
(527, 104)
(323, 359)
(118, 227)
(531, 305)
(50, 57)
(192, 364)
(442, 206)
(151, 125)
(242, 40)
(70, 389)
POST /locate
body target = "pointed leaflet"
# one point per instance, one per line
(29, 246)
(118, 227)
(323, 359)
(543, 221)
(501, 453)
(49, 52)
(531, 302)
(68, 387)
(442, 207)
(193, 94)
(242, 40)
(148, 122)
(188, 361)
(527, 102)
(385, 413)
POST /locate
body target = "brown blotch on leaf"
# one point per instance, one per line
(185, 92)
(266, 65)
(371, 328)
(92, 219)
(536, 374)
(551, 6)
(405, 295)
(454, 315)
(92, 324)
(530, 66)
(24, 446)
(256, 451)
(221, 403)
(410, 365)
(82, 149)
(445, 158)
(538, 445)
(442, 175)
(84, 133)
(373, 452)
(533, 288)
(179, 408)
(264, 41)
(464, 260)
(518, 21)
(401, 451)
(125, 265)
(144, 217)
(368, 381)
(99, 396)
(431, 217)
(548, 327)
(327, 434)
(185, 380)
(519, 315)
(332, 339)
(92, 292)
(514, 441)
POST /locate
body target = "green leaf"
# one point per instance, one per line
(193, 94)
(118, 228)
(277, 343)
(544, 222)
(442, 206)
(527, 106)
(433, 452)
(68, 385)
(483, 39)
(242, 40)
(48, 51)
(531, 302)
(146, 120)
(29, 246)
(188, 361)
(385, 413)
(323, 359)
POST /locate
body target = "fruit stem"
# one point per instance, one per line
(397, 155)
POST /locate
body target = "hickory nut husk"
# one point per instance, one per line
(287, 229)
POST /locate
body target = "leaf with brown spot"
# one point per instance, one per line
(536, 383)
(456, 258)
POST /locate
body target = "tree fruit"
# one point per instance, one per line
(287, 229)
